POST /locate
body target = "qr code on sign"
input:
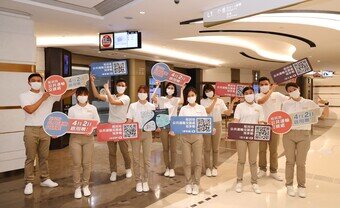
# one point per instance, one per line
(302, 67)
(203, 125)
(119, 68)
(130, 131)
(262, 133)
(239, 90)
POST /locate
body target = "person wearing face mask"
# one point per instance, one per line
(118, 106)
(296, 142)
(37, 105)
(252, 113)
(135, 115)
(171, 102)
(214, 107)
(271, 101)
(82, 146)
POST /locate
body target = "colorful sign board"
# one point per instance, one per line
(227, 89)
(305, 117)
(249, 132)
(105, 41)
(108, 132)
(57, 124)
(57, 85)
(192, 124)
(280, 121)
(162, 72)
(108, 69)
(291, 71)
(159, 118)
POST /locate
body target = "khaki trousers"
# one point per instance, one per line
(273, 145)
(296, 144)
(169, 148)
(212, 142)
(124, 149)
(145, 142)
(253, 148)
(82, 148)
(36, 142)
(192, 143)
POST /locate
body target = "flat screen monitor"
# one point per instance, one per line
(127, 40)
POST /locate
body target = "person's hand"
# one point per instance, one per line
(171, 133)
(157, 83)
(214, 131)
(273, 87)
(45, 96)
(322, 101)
(158, 130)
(92, 78)
(235, 100)
(106, 86)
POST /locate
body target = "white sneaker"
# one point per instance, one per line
(208, 172)
(113, 176)
(188, 189)
(86, 191)
(195, 189)
(128, 173)
(139, 187)
(276, 176)
(302, 192)
(146, 187)
(214, 172)
(167, 172)
(77, 193)
(172, 173)
(28, 189)
(238, 187)
(291, 191)
(49, 183)
(256, 188)
(261, 174)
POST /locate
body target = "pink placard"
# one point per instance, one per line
(117, 132)
(280, 121)
(55, 85)
(82, 126)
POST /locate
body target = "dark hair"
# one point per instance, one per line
(207, 87)
(247, 88)
(144, 87)
(121, 80)
(189, 89)
(82, 90)
(264, 79)
(34, 75)
(168, 84)
(291, 84)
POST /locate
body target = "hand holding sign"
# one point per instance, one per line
(161, 72)
(56, 85)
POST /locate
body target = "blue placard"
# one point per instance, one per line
(192, 124)
(56, 124)
(108, 69)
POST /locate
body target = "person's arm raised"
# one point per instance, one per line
(94, 89)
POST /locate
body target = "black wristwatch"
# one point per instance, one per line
(327, 103)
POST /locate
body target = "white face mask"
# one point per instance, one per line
(142, 96)
(295, 94)
(36, 85)
(265, 88)
(209, 94)
(82, 99)
(191, 100)
(120, 89)
(170, 91)
(249, 98)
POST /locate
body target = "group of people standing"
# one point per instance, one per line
(253, 109)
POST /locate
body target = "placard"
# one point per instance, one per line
(249, 132)
(280, 121)
(57, 124)
(227, 89)
(291, 71)
(57, 85)
(192, 124)
(159, 118)
(108, 69)
(162, 72)
(305, 117)
(108, 132)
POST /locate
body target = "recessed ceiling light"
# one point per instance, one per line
(319, 61)
(142, 12)
(128, 18)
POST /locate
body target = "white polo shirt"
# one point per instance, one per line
(171, 104)
(274, 103)
(136, 109)
(292, 106)
(218, 109)
(247, 113)
(197, 110)
(87, 112)
(37, 118)
(117, 113)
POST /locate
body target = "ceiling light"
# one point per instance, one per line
(142, 12)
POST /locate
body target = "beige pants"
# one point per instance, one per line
(124, 148)
(253, 148)
(192, 143)
(82, 148)
(212, 142)
(169, 148)
(273, 145)
(145, 142)
(36, 142)
(296, 144)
